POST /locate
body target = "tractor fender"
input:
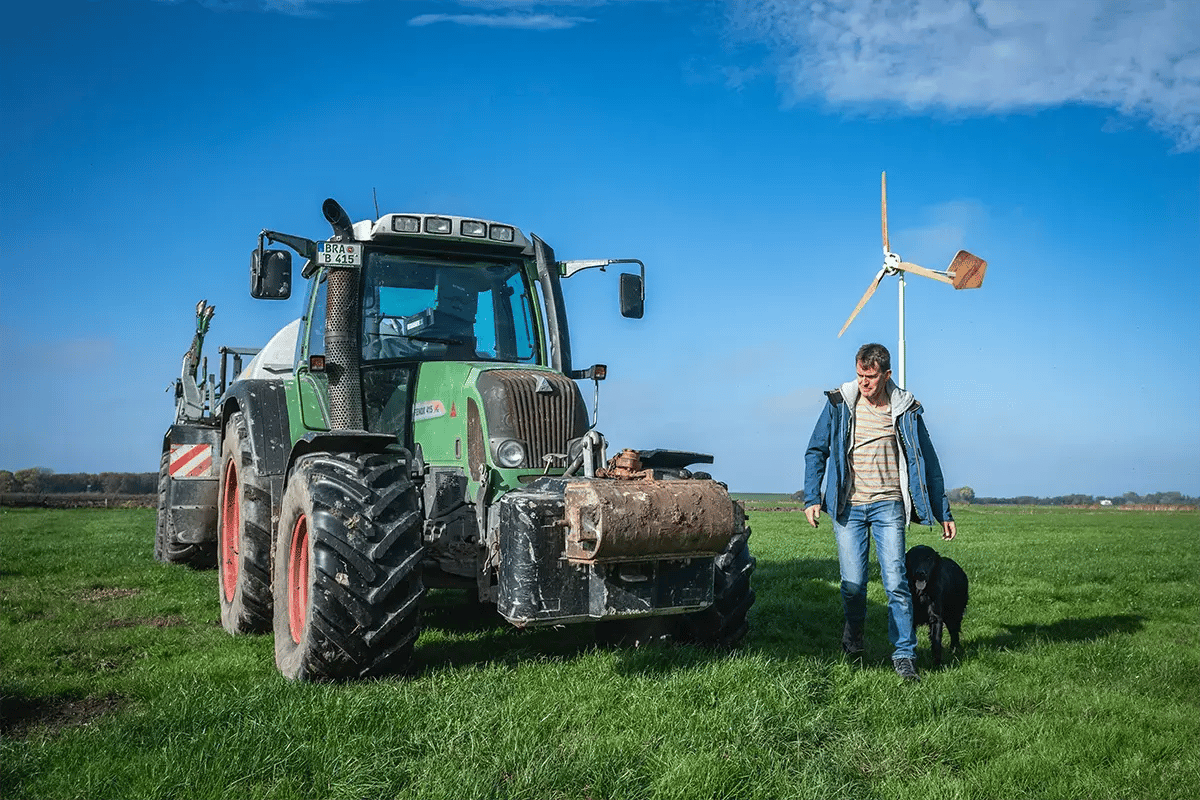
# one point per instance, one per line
(190, 501)
(263, 404)
(342, 442)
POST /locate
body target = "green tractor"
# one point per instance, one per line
(421, 426)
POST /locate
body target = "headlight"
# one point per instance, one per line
(472, 228)
(510, 453)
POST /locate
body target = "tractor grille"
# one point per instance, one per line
(545, 420)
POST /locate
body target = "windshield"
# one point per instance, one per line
(424, 309)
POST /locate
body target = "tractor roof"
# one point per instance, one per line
(395, 228)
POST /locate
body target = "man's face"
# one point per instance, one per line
(871, 382)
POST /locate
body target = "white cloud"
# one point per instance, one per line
(540, 22)
(497, 4)
(1139, 57)
(300, 8)
(519, 14)
(295, 8)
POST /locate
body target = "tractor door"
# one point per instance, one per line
(313, 385)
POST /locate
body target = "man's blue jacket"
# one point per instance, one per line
(921, 484)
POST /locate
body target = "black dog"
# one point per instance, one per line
(939, 593)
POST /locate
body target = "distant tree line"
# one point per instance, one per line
(1127, 499)
(965, 494)
(39, 480)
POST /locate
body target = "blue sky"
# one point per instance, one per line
(735, 147)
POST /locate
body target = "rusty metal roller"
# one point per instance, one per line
(625, 520)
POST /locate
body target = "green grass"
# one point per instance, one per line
(1080, 677)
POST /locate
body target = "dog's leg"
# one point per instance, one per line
(935, 640)
(954, 625)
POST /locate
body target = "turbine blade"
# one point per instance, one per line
(967, 270)
(883, 211)
(922, 271)
(866, 296)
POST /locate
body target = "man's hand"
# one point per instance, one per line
(813, 513)
(948, 530)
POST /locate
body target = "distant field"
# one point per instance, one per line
(756, 499)
(1080, 677)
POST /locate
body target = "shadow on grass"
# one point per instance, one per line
(457, 612)
(467, 632)
(797, 614)
(798, 611)
(1064, 630)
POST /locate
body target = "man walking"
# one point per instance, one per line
(882, 472)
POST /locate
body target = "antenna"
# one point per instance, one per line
(376, 199)
(965, 272)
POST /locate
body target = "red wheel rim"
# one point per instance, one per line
(297, 588)
(231, 526)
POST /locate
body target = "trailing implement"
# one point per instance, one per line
(421, 426)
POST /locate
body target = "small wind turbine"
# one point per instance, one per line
(965, 272)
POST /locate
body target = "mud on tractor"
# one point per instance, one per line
(421, 426)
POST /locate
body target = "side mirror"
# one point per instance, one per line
(633, 296)
(270, 274)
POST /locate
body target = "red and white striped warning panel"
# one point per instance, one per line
(191, 461)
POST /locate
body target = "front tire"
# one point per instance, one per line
(347, 581)
(724, 623)
(243, 535)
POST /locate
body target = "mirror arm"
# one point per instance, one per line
(305, 247)
(569, 268)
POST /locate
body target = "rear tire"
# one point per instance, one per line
(167, 547)
(160, 521)
(347, 583)
(243, 535)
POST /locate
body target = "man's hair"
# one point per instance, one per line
(874, 355)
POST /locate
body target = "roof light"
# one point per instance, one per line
(401, 224)
(502, 233)
(475, 229)
(437, 225)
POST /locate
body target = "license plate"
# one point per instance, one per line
(339, 254)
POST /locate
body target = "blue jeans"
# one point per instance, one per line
(886, 523)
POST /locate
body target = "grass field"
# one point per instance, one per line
(1079, 677)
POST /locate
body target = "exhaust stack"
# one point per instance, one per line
(341, 332)
(339, 220)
